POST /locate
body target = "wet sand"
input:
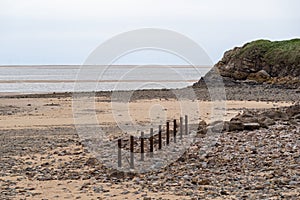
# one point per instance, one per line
(44, 112)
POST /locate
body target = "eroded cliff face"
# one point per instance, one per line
(263, 61)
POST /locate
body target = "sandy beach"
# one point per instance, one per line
(42, 156)
(145, 100)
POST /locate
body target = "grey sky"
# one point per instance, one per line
(66, 31)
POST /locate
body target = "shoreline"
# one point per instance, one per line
(233, 91)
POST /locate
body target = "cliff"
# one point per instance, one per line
(276, 62)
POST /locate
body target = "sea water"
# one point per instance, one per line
(68, 78)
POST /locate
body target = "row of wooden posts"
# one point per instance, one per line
(151, 140)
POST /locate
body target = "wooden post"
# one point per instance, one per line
(186, 125)
(151, 142)
(168, 133)
(174, 130)
(131, 152)
(181, 127)
(119, 153)
(159, 137)
(142, 146)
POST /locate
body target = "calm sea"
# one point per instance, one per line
(41, 79)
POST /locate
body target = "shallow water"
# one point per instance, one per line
(36, 79)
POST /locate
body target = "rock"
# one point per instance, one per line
(155, 183)
(293, 110)
(251, 126)
(223, 192)
(260, 76)
(246, 117)
(100, 189)
(296, 116)
(125, 192)
(226, 126)
(203, 182)
(245, 121)
(117, 174)
(266, 121)
(275, 114)
(215, 127)
(239, 75)
(236, 125)
(202, 127)
(91, 162)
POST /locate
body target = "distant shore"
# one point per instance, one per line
(234, 91)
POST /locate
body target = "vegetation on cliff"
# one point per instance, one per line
(263, 61)
(287, 51)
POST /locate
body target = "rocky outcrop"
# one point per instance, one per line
(263, 61)
(252, 120)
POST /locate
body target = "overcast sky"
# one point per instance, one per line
(67, 31)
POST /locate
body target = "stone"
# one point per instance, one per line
(202, 127)
(91, 161)
(236, 125)
(239, 75)
(203, 182)
(251, 126)
(117, 174)
(215, 127)
(293, 110)
(125, 192)
(296, 116)
(223, 192)
(275, 114)
(260, 76)
(266, 121)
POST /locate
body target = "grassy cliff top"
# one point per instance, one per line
(287, 51)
